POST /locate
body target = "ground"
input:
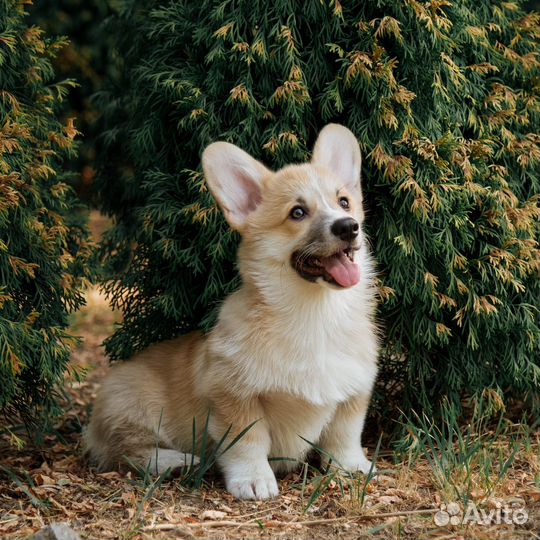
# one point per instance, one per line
(420, 493)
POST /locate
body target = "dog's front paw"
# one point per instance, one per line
(354, 461)
(362, 465)
(358, 463)
(258, 487)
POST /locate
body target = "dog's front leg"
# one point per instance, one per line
(245, 464)
(341, 438)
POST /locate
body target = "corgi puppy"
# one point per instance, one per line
(294, 351)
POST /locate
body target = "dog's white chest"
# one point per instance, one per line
(322, 372)
(322, 356)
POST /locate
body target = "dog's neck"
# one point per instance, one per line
(272, 286)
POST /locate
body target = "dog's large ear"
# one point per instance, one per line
(234, 178)
(337, 150)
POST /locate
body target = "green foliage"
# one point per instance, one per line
(444, 98)
(465, 458)
(43, 246)
(85, 59)
(333, 473)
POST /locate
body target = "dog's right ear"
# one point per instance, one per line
(337, 149)
(234, 178)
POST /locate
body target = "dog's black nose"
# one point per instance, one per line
(345, 228)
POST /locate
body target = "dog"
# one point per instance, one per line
(293, 355)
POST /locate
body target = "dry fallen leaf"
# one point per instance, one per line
(389, 499)
(212, 514)
(42, 480)
(113, 475)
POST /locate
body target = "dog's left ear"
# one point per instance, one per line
(337, 150)
(235, 179)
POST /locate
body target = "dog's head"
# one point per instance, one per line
(303, 221)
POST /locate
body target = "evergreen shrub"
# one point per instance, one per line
(444, 98)
(84, 59)
(43, 244)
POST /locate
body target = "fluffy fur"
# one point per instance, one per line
(295, 356)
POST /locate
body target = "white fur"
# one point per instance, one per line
(163, 459)
(313, 353)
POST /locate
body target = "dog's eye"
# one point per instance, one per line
(298, 213)
(344, 203)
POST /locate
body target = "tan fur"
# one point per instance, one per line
(142, 404)
(296, 359)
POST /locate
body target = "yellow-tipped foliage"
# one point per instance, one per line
(43, 246)
(445, 101)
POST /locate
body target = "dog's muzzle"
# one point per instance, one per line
(338, 269)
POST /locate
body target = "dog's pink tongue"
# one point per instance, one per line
(342, 269)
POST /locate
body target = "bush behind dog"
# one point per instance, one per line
(44, 248)
(445, 101)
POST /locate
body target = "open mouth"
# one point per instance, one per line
(338, 269)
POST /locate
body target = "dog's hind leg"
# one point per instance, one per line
(163, 459)
(111, 446)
